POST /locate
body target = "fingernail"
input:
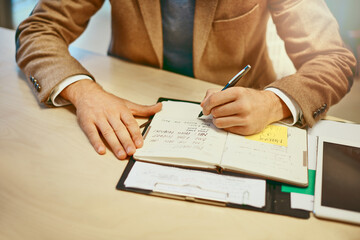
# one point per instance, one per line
(130, 150)
(121, 154)
(101, 150)
(138, 143)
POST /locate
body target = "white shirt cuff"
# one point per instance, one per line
(55, 97)
(290, 103)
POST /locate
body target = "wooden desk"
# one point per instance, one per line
(53, 185)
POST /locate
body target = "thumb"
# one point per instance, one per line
(143, 110)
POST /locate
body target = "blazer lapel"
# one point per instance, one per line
(151, 13)
(204, 16)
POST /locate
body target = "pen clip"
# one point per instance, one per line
(237, 77)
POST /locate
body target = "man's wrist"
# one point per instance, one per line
(55, 98)
(296, 113)
(278, 109)
(73, 92)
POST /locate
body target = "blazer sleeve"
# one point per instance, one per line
(43, 38)
(325, 67)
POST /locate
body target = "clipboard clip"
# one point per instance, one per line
(191, 192)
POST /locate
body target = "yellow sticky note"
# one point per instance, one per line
(273, 134)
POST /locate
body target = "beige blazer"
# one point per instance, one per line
(228, 34)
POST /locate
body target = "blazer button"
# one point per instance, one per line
(323, 108)
(37, 86)
(315, 114)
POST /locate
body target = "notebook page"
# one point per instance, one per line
(275, 161)
(177, 133)
(197, 184)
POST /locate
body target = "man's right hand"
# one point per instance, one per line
(99, 112)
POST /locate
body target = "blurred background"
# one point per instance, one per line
(97, 37)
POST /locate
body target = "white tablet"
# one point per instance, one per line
(337, 184)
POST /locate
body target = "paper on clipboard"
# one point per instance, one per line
(197, 184)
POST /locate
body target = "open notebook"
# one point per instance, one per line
(177, 137)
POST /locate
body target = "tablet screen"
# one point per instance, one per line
(341, 177)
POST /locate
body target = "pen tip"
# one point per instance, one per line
(200, 114)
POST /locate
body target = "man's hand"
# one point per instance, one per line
(244, 111)
(101, 112)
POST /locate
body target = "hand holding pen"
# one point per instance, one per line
(234, 80)
(243, 110)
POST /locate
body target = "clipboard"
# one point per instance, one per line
(276, 201)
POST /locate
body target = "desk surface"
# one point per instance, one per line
(55, 186)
